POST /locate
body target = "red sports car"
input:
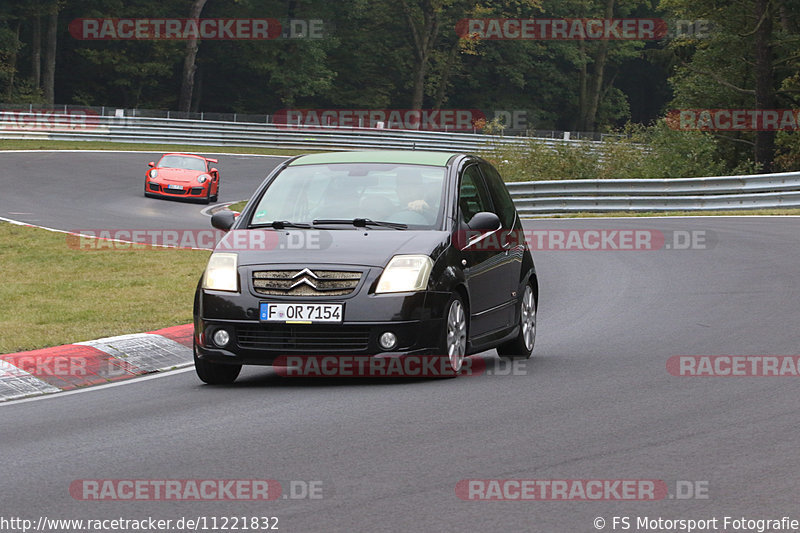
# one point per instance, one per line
(183, 176)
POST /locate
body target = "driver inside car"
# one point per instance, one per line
(411, 192)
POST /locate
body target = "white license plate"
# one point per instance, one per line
(175, 187)
(303, 313)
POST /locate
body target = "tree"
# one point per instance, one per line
(431, 25)
(189, 62)
(51, 46)
(748, 61)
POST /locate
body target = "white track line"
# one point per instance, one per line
(82, 235)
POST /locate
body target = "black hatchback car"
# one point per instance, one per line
(384, 253)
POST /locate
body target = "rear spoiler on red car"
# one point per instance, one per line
(212, 160)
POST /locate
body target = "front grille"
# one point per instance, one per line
(154, 187)
(305, 282)
(172, 191)
(309, 339)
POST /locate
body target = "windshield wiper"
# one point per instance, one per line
(281, 224)
(361, 222)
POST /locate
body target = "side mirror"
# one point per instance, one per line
(223, 219)
(151, 164)
(485, 221)
(213, 170)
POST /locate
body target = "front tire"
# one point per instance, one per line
(215, 373)
(454, 336)
(521, 347)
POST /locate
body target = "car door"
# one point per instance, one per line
(481, 257)
(510, 237)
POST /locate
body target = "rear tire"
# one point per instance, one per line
(215, 373)
(521, 347)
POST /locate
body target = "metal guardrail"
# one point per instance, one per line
(260, 119)
(75, 125)
(682, 194)
(531, 198)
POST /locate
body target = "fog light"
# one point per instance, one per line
(388, 340)
(221, 338)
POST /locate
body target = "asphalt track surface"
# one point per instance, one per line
(105, 190)
(595, 402)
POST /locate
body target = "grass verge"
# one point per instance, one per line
(238, 206)
(55, 294)
(35, 144)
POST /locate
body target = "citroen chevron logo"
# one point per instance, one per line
(305, 272)
(304, 276)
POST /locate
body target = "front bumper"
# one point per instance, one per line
(156, 189)
(416, 319)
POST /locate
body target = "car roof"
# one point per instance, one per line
(408, 157)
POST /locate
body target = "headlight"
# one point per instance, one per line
(405, 273)
(153, 173)
(221, 273)
(202, 178)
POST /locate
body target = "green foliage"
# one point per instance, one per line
(372, 50)
(656, 151)
(720, 70)
(788, 158)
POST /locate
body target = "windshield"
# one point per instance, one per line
(182, 161)
(403, 194)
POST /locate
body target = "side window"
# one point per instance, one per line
(472, 195)
(504, 205)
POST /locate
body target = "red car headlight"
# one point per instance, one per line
(202, 178)
(153, 173)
